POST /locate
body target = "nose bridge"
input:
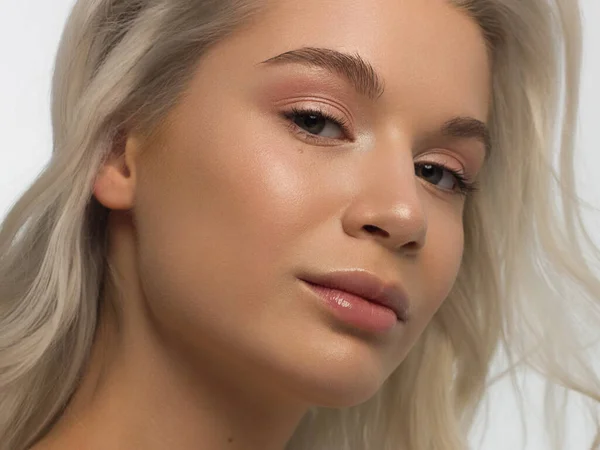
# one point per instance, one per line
(389, 163)
(392, 195)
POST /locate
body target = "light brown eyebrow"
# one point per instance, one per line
(468, 127)
(360, 73)
(365, 80)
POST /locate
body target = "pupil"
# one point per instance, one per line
(313, 123)
(427, 170)
(433, 173)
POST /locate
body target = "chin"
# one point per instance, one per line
(344, 393)
(342, 381)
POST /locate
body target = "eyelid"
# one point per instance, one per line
(442, 157)
(341, 120)
(323, 102)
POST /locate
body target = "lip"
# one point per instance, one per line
(366, 285)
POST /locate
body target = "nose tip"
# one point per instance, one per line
(398, 221)
(390, 204)
(406, 229)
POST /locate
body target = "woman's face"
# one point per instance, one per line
(241, 192)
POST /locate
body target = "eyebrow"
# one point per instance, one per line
(360, 73)
(468, 127)
(366, 81)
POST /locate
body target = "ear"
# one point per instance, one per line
(115, 183)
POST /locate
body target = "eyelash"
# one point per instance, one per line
(464, 186)
(296, 112)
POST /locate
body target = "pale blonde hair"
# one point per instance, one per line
(525, 286)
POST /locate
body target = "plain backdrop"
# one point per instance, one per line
(29, 34)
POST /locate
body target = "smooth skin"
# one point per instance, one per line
(214, 342)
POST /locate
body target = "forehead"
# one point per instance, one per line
(431, 55)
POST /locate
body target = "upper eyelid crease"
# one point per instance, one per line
(365, 80)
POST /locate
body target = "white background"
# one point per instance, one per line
(29, 34)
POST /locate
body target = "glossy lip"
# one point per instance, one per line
(365, 285)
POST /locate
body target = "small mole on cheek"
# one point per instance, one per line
(230, 440)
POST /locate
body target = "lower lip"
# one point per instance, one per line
(355, 310)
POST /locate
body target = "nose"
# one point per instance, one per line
(388, 205)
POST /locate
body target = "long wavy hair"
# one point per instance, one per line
(526, 289)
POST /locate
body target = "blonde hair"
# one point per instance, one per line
(525, 286)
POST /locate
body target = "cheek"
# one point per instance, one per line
(441, 257)
(217, 212)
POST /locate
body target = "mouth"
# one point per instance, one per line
(361, 299)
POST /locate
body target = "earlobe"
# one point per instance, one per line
(114, 186)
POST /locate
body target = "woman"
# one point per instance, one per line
(300, 225)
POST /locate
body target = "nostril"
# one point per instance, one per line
(377, 230)
(412, 246)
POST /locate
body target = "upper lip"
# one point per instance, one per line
(365, 285)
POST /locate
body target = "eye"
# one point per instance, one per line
(445, 178)
(318, 124)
